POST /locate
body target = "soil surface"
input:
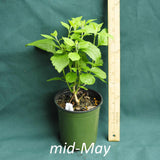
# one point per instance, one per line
(87, 99)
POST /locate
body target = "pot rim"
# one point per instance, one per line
(77, 112)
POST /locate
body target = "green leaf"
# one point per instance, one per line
(90, 20)
(99, 27)
(75, 22)
(103, 38)
(66, 47)
(65, 25)
(101, 79)
(100, 73)
(71, 23)
(47, 36)
(74, 56)
(82, 64)
(89, 29)
(68, 41)
(54, 79)
(60, 61)
(59, 52)
(87, 78)
(92, 51)
(54, 34)
(71, 77)
(98, 62)
(75, 36)
(86, 69)
(83, 23)
(83, 57)
(44, 44)
(93, 28)
(83, 45)
(84, 88)
(79, 31)
(74, 69)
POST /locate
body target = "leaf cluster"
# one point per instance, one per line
(78, 59)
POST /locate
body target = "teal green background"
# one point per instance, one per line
(28, 117)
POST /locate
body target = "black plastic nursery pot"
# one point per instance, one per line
(78, 126)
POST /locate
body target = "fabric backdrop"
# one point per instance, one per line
(28, 117)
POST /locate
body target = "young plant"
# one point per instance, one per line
(77, 57)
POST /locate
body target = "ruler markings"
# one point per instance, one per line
(114, 70)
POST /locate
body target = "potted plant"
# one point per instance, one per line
(77, 58)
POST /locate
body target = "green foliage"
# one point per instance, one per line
(87, 78)
(47, 36)
(68, 41)
(103, 38)
(65, 25)
(54, 34)
(55, 79)
(98, 72)
(71, 77)
(60, 62)
(75, 55)
(44, 44)
(92, 51)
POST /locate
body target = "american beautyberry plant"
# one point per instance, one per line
(76, 57)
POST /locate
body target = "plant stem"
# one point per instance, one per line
(58, 41)
(69, 31)
(79, 73)
(75, 95)
(94, 40)
(70, 67)
(82, 35)
(66, 81)
(76, 98)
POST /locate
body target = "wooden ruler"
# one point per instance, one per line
(114, 70)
